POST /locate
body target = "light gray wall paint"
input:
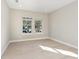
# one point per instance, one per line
(4, 25)
(63, 24)
(16, 25)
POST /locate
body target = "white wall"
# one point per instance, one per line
(4, 26)
(16, 25)
(63, 24)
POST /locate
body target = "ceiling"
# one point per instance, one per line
(45, 6)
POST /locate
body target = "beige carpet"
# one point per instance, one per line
(39, 49)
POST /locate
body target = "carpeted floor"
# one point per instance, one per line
(39, 49)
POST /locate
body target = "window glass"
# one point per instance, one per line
(27, 26)
(38, 26)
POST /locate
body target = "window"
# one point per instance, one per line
(27, 26)
(38, 26)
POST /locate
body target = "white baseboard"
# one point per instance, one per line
(28, 39)
(2, 52)
(67, 44)
(4, 49)
(43, 39)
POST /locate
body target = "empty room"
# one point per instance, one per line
(39, 29)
